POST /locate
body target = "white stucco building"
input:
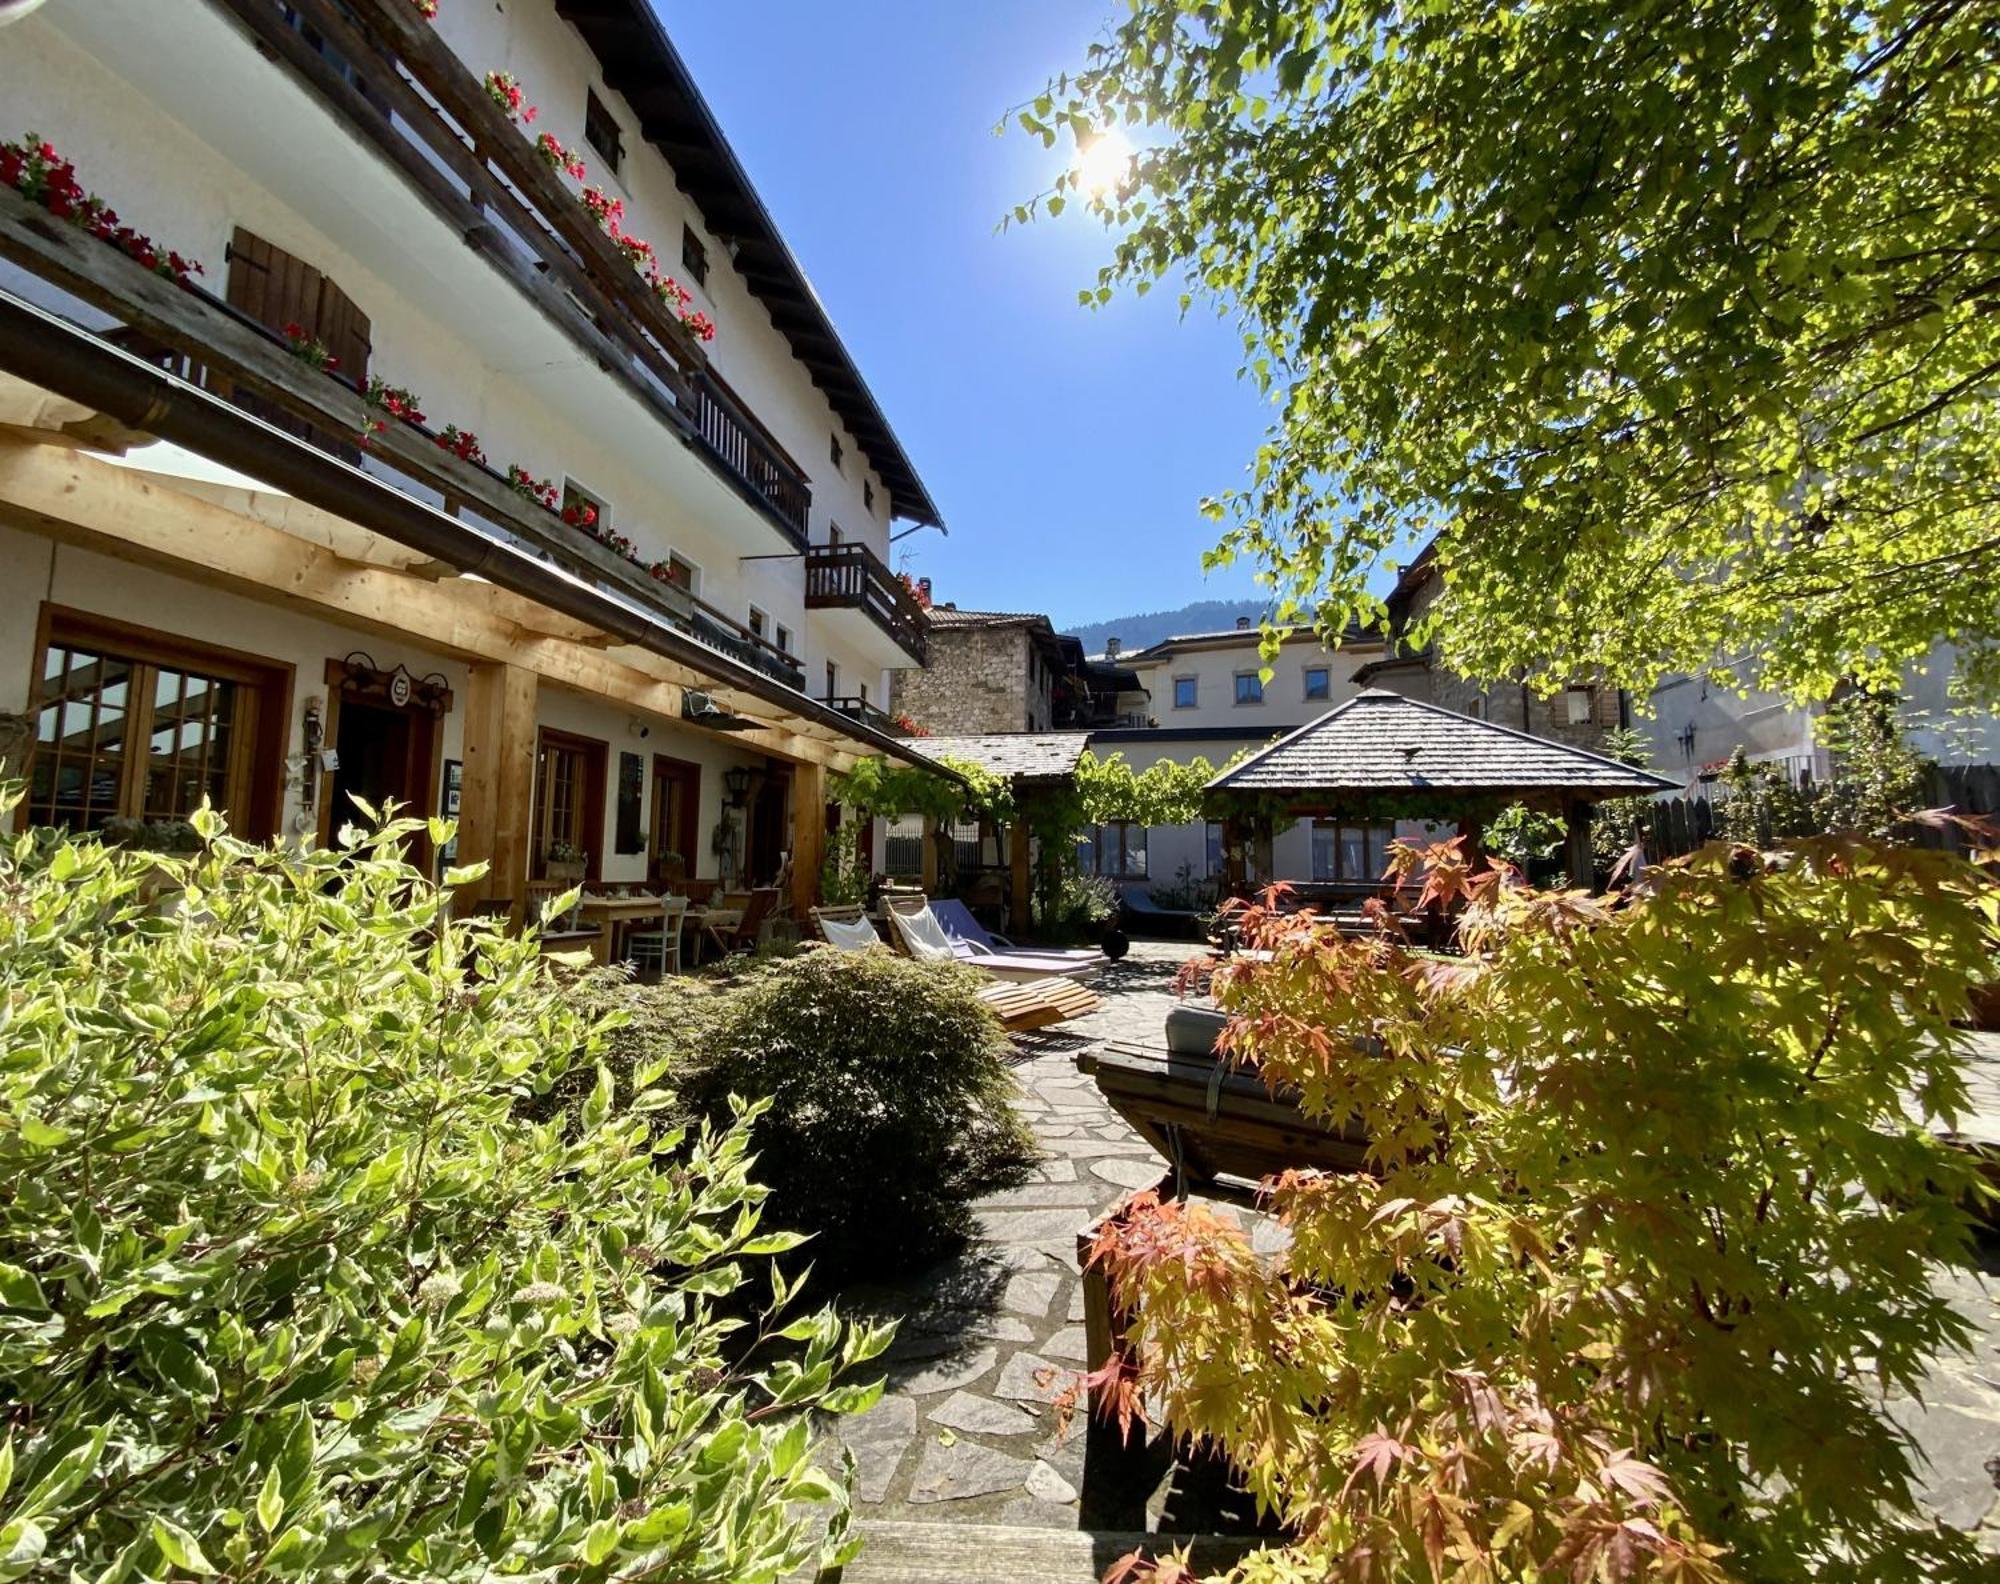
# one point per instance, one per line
(319, 597)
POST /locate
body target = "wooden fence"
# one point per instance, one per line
(1672, 826)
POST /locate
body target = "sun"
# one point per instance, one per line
(1103, 163)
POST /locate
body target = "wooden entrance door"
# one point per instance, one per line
(676, 827)
(386, 752)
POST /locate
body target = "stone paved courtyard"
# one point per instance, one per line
(966, 1434)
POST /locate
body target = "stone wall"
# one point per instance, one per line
(976, 681)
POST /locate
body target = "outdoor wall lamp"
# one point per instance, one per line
(737, 784)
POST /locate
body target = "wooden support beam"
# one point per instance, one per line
(496, 799)
(929, 876)
(808, 837)
(140, 517)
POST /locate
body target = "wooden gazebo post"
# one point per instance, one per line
(1019, 877)
(1582, 866)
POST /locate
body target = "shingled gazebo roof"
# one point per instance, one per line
(1028, 756)
(1381, 742)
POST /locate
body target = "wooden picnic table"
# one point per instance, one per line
(617, 914)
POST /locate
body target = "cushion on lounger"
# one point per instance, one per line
(856, 936)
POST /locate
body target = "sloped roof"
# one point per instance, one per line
(639, 61)
(952, 616)
(1382, 742)
(1031, 755)
(1355, 636)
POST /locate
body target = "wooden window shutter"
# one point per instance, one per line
(277, 289)
(271, 286)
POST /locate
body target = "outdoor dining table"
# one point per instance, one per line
(616, 914)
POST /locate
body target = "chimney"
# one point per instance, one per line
(1243, 624)
(1111, 648)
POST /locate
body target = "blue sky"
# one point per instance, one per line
(1068, 448)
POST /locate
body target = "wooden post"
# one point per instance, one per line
(808, 837)
(1235, 876)
(1019, 901)
(1582, 867)
(1473, 830)
(930, 858)
(496, 798)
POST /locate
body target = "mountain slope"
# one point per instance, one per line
(1136, 632)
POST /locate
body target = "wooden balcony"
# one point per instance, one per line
(755, 462)
(859, 709)
(378, 66)
(850, 576)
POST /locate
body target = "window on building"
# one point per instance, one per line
(834, 451)
(861, 692)
(832, 680)
(136, 725)
(868, 496)
(569, 801)
(1576, 704)
(758, 622)
(694, 256)
(1476, 707)
(682, 573)
(601, 132)
(833, 533)
(1211, 847)
(784, 638)
(1350, 852)
(1249, 687)
(1186, 692)
(1319, 683)
(1117, 851)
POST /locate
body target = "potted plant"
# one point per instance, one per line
(563, 861)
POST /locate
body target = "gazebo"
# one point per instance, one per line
(1383, 756)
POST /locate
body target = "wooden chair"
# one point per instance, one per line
(660, 949)
(756, 908)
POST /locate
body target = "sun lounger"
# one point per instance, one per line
(920, 934)
(1020, 1005)
(957, 921)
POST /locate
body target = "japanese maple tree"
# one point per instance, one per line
(1651, 1225)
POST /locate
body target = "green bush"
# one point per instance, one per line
(889, 1100)
(290, 1287)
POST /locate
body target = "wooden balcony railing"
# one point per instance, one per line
(388, 73)
(742, 445)
(859, 709)
(851, 576)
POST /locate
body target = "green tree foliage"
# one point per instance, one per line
(889, 1100)
(292, 1287)
(1648, 1232)
(1676, 321)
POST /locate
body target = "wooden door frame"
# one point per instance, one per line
(689, 835)
(423, 766)
(597, 755)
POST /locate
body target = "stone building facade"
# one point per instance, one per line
(1010, 671)
(989, 671)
